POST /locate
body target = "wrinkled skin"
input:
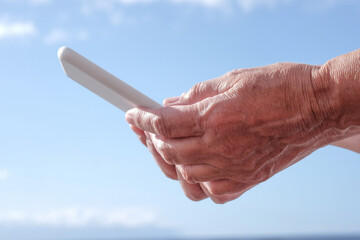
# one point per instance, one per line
(226, 135)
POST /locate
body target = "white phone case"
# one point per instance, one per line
(101, 82)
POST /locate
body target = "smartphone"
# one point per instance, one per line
(101, 82)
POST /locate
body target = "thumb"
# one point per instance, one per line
(169, 122)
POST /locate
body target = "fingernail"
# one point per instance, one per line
(171, 100)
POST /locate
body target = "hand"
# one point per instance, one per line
(192, 191)
(227, 135)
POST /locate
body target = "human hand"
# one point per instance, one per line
(228, 134)
(194, 191)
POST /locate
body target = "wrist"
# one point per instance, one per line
(336, 87)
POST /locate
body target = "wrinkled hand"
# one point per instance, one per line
(228, 134)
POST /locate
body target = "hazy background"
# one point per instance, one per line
(71, 168)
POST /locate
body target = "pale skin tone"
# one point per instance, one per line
(226, 135)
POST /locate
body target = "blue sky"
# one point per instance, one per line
(71, 167)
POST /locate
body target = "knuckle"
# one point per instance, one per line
(187, 176)
(184, 173)
(166, 152)
(199, 87)
(215, 190)
(234, 74)
(200, 119)
(264, 174)
(194, 91)
(248, 165)
(161, 127)
(228, 150)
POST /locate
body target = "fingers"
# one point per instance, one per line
(215, 199)
(223, 187)
(201, 173)
(226, 198)
(197, 93)
(168, 170)
(222, 191)
(169, 122)
(195, 180)
(171, 100)
(192, 191)
(180, 150)
(194, 161)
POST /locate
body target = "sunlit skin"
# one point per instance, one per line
(226, 135)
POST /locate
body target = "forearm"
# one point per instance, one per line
(337, 88)
(345, 71)
(351, 143)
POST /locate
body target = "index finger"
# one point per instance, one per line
(169, 121)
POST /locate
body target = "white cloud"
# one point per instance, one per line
(76, 217)
(58, 36)
(4, 175)
(16, 29)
